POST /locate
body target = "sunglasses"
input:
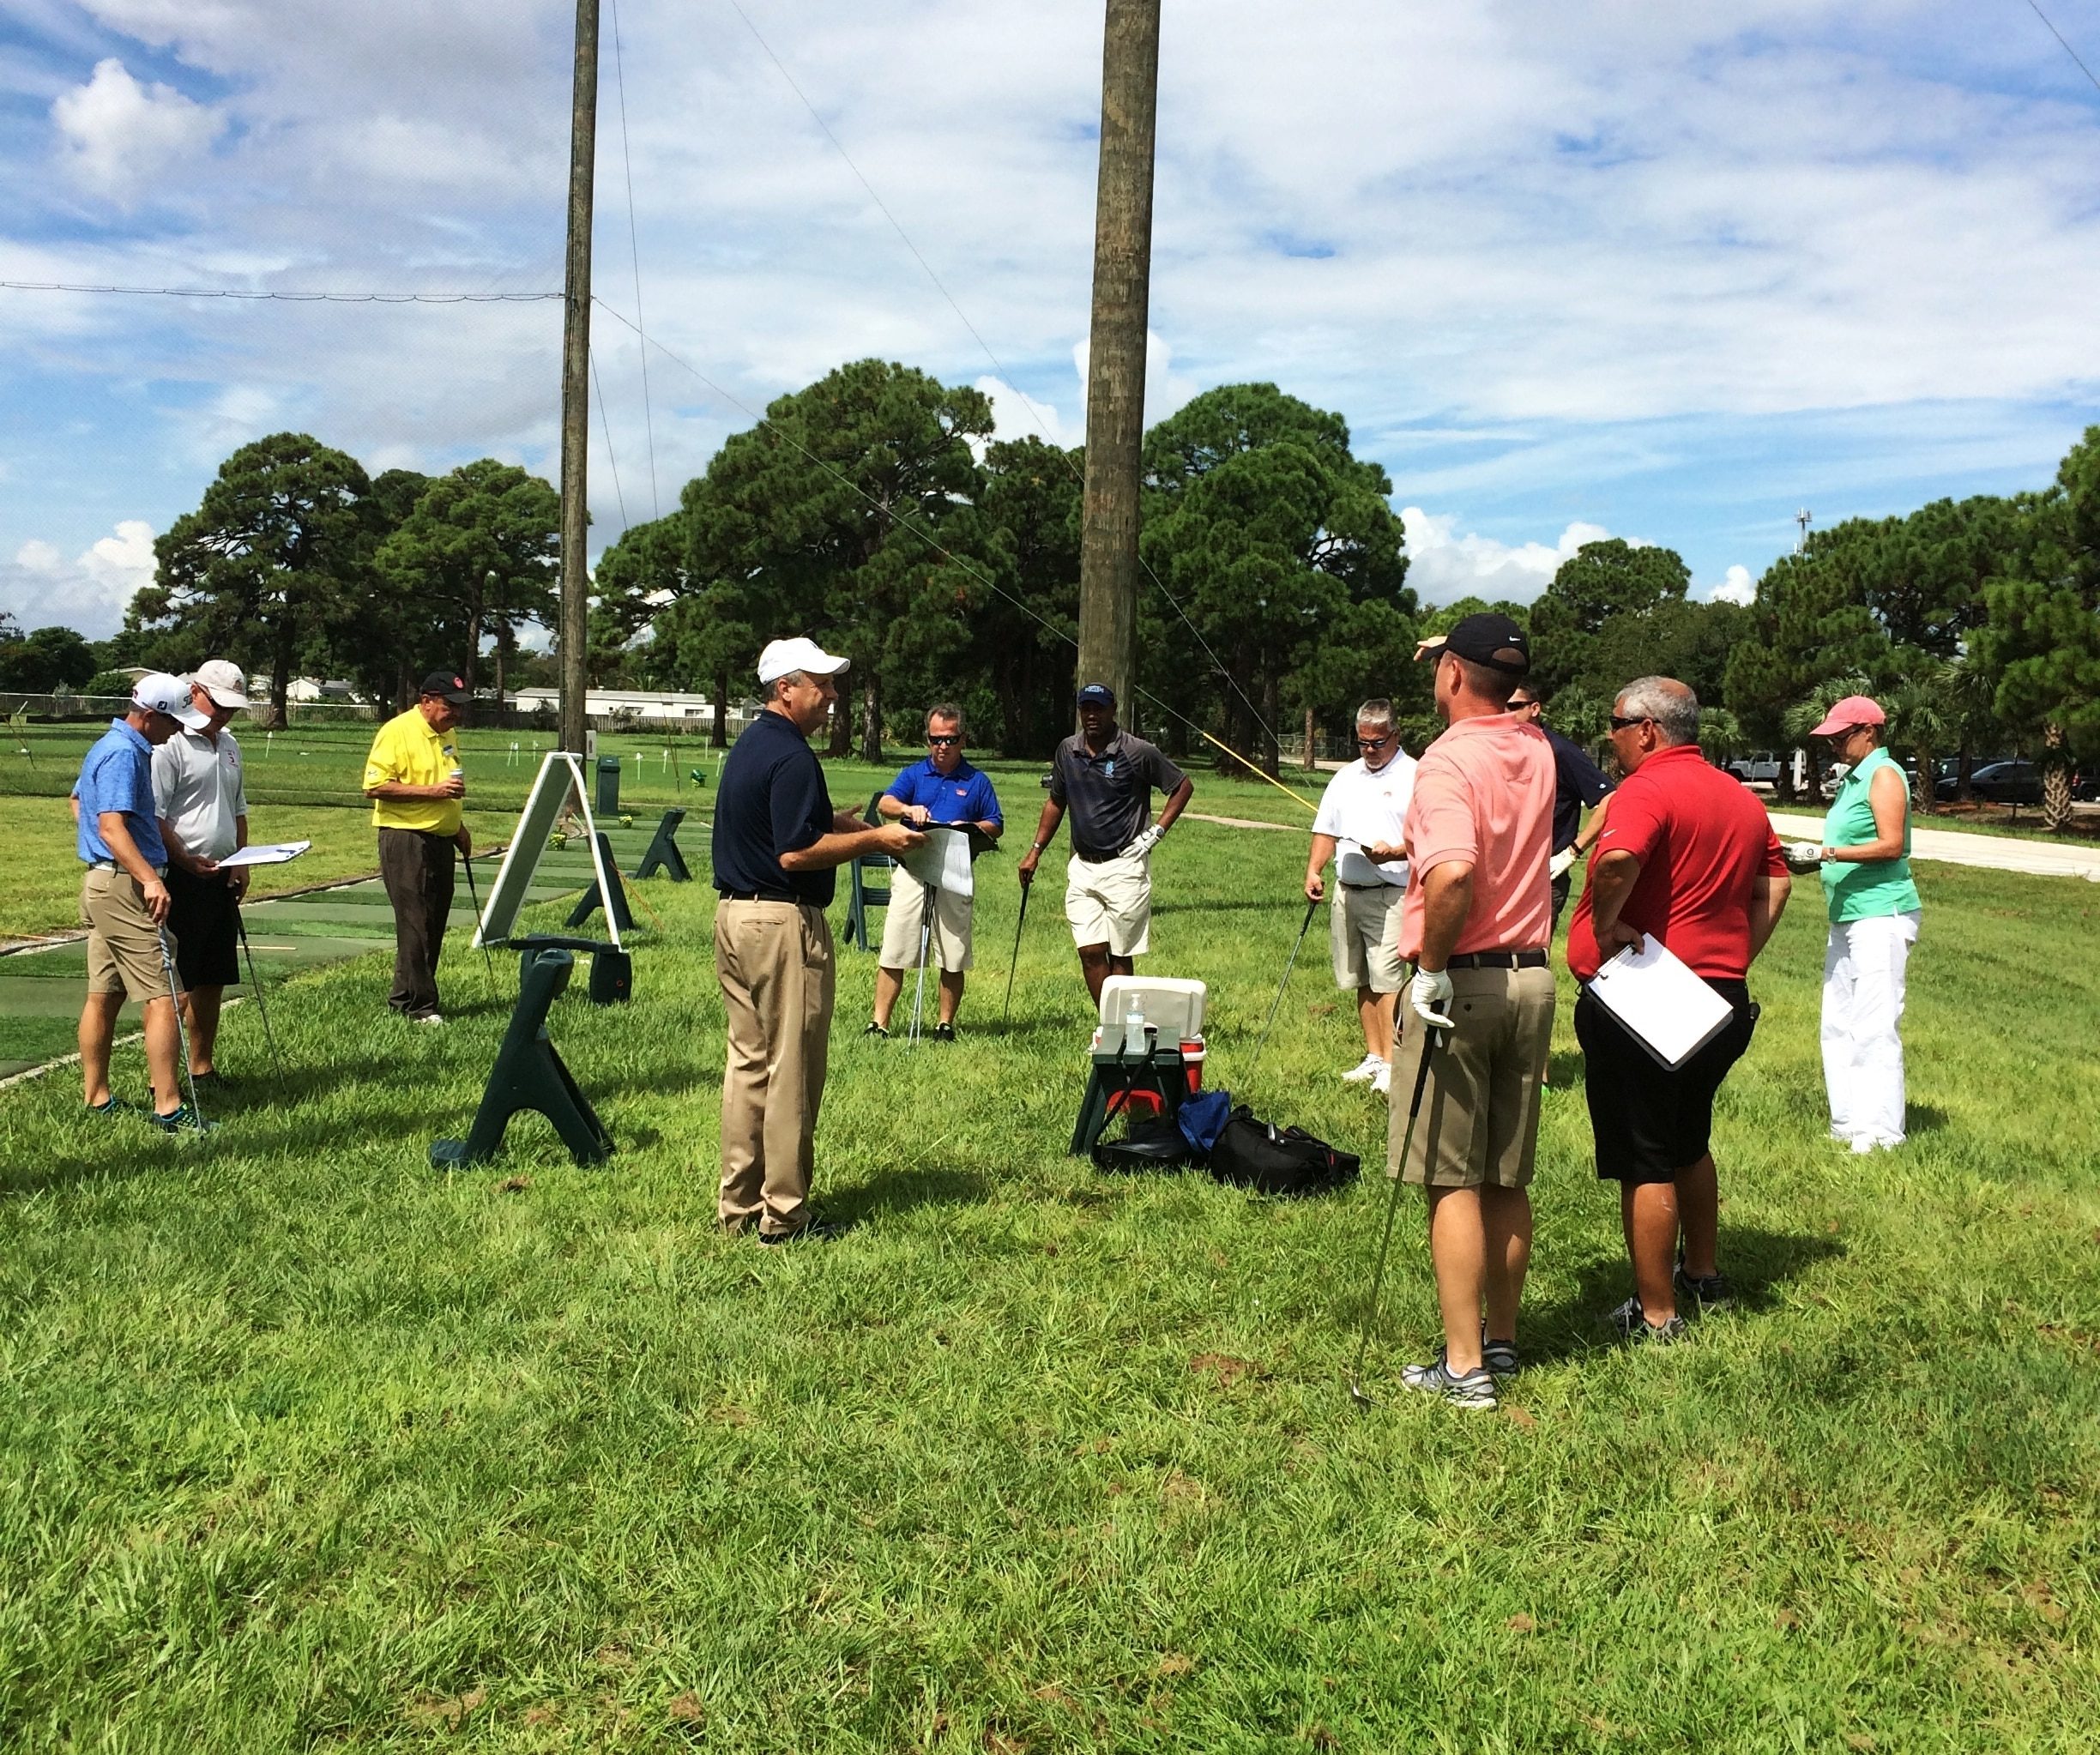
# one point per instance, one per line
(1618, 724)
(940, 743)
(1374, 742)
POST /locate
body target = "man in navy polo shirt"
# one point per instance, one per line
(124, 895)
(778, 844)
(942, 789)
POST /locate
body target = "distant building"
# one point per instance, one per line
(642, 706)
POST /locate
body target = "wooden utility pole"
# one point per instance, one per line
(576, 381)
(1116, 354)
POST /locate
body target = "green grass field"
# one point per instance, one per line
(307, 1446)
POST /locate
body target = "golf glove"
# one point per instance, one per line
(1429, 992)
(1141, 847)
(1561, 861)
(1805, 853)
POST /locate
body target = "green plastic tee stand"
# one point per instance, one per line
(615, 904)
(529, 1075)
(663, 852)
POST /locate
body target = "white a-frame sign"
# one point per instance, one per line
(560, 774)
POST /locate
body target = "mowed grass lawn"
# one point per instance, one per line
(307, 1446)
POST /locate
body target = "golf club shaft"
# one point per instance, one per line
(255, 982)
(1006, 1011)
(474, 893)
(926, 938)
(182, 1034)
(1392, 1206)
(1305, 927)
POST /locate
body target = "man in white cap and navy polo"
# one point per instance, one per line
(778, 844)
(124, 898)
(203, 805)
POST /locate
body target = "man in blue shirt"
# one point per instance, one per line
(123, 896)
(942, 788)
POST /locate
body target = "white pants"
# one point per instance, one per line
(1862, 1004)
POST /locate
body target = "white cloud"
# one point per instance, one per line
(1017, 415)
(39, 587)
(117, 138)
(1444, 564)
(1735, 586)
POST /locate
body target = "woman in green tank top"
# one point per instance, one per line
(1874, 915)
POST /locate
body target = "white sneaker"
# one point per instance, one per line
(428, 1017)
(1381, 1081)
(1365, 1071)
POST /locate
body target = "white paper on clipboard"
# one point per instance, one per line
(942, 860)
(1668, 1009)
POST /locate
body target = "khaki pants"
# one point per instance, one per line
(123, 945)
(773, 961)
(1480, 1110)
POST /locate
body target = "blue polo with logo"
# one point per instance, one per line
(965, 796)
(118, 776)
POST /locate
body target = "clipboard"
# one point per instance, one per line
(1665, 1007)
(941, 861)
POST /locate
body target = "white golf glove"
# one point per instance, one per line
(1141, 847)
(1561, 861)
(1426, 992)
(1804, 853)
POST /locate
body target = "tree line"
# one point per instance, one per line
(877, 510)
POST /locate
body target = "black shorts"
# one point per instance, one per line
(1651, 1121)
(203, 920)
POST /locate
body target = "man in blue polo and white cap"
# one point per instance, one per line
(124, 898)
(1105, 777)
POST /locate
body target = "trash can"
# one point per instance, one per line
(608, 785)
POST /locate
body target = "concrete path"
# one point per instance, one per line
(1998, 853)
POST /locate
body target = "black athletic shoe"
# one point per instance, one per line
(1710, 1296)
(817, 1231)
(943, 1033)
(182, 1119)
(115, 1104)
(876, 1029)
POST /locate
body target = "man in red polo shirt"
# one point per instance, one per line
(1474, 922)
(1688, 855)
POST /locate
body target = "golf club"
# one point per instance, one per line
(1304, 927)
(926, 938)
(255, 982)
(182, 1035)
(1006, 1011)
(474, 894)
(1357, 1393)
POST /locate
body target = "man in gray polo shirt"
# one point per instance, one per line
(1106, 776)
(202, 804)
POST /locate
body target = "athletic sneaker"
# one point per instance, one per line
(1498, 1356)
(1381, 1081)
(1472, 1389)
(1712, 1294)
(1365, 1071)
(182, 1118)
(876, 1029)
(943, 1033)
(1630, 1323)
(115, 1104)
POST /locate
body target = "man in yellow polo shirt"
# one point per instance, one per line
(413, 778)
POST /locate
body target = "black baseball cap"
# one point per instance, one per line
(1097, 695)
(1493, 640)
(446, 685)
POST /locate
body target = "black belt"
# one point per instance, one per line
(1498, 960)
(764, 895)
(1381, 885)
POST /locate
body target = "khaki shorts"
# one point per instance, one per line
(1109, 901)
(1480, 1110)
(123, 945)
(950, 946)
(1364, 925)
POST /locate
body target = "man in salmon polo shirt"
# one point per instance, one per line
(1688, 855)
(1475, 923)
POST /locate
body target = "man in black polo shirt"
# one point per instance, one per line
(1579, 785)
(1104, 776)
(777, 845)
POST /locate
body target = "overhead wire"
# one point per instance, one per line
(2068, 49)
(932, 541)
(634, 246)
(1005, 376)
(605, 426)
(244, 293)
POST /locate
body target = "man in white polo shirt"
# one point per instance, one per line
(203, 805)
(1362, 817)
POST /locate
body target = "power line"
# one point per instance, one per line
(634, 246)
(287, 297)
(2068, 49)
(1005, 376)
(597, 384)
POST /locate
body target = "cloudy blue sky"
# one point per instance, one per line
(1661, 271)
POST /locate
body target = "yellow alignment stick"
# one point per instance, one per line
(1257, 772)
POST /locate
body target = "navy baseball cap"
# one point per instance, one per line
(1097, 695)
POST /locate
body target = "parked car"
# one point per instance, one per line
(1751, 771)
(2000, 782)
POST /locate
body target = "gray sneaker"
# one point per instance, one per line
(1711, 1295)
(1630, 1323)
(1472, 1389)
(1499, 1356)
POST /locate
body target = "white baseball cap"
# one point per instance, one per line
(159, 692)
(222, 680)
(782, 657)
